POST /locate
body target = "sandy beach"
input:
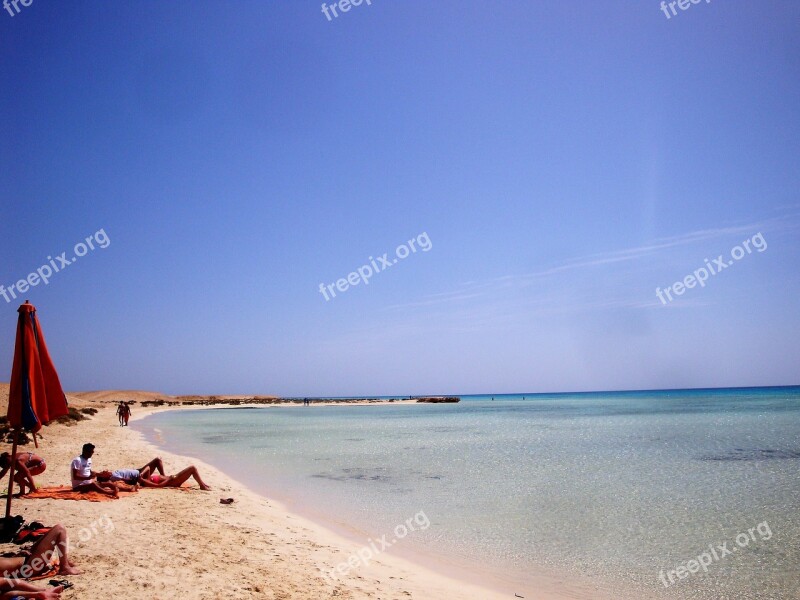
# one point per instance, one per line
(158, 542)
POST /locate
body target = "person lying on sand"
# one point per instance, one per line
(52, 548)
(14, 588)
(28, 465)
(153, 475)
(131, 476)
(177, 480)
(84, 479)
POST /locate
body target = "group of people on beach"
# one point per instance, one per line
(50, 553)
(123, 413)
(110, 483)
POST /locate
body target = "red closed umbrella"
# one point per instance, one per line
(35, 396)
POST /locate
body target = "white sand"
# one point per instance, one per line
(185, 544)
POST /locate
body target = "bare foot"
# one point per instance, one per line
(69, 570)
(205, 488)
(53, 593)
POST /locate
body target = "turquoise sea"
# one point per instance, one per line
(620, 490)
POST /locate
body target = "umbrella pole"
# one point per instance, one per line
(11, 472)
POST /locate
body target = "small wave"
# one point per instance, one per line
(752, 454)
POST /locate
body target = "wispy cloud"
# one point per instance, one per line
(475, 290)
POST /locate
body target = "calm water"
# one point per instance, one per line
(608, 487)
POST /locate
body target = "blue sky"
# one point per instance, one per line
(565, 159)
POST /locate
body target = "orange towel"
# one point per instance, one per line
(51, 572)
(67, 493)
(52, 568)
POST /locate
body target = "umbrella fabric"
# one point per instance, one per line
(35, 395)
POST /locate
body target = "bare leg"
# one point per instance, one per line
(180, 478)
(110, 488)
(16, 588)
(154, 465)
(48, 594)
(107, 488)
(21, 482)
(54, 540)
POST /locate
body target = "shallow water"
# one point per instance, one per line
(608, 487)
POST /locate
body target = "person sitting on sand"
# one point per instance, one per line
(28, 465)
(14, 588)
(84, 479)
(50, 550)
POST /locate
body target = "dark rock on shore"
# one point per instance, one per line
(437, 399)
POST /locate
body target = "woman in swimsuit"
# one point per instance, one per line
(177, 480)
(28, 465)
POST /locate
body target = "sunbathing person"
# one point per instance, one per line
(51, 549)
(28, 465)
(177, 480)
(84, 479)
(131, 476)
(14, 588)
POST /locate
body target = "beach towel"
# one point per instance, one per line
(52, 569)
(30, 533)
(51, 572)
(67, 493)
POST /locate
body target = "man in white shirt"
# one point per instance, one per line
(83, 478)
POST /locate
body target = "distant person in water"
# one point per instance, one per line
(28, 465)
